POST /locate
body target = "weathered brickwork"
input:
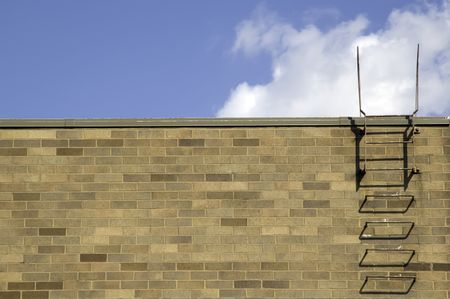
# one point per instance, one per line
(213, 212)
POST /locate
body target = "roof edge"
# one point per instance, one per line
(218, 122)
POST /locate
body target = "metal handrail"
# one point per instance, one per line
(416, 98)
(414, 169)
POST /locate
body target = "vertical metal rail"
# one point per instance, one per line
(414, 130)
(361, 112)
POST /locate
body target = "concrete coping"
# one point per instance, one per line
(220, 122)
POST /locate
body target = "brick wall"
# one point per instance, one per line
(217, 212)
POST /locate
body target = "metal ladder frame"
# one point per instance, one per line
(410, 117)
(408, 137)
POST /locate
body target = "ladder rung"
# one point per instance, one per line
(387, 169)
(388, 142)
(384, 132)
(382, 159)
(388, 115)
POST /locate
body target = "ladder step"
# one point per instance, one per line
(388, 115)
(384, 132)
(405, 254)
(382, 159)
(388, 169)
(369, 285)
(389, 142)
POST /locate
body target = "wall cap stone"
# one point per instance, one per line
(218, 122)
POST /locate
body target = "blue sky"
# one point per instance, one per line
(157, 59)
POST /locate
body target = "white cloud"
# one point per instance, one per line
(314, 72)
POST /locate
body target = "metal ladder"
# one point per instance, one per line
(387, 203)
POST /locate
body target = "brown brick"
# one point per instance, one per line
(13, 151)
(9, 295)
(218, 177)
(6, 143)
(441, 267)
(92, 275)
(233, 221)
(245, 142)
(64, 151)
(247, 284)
(27, 143)
(148, 293)
(25, 214)
(55, 143)
(219, 195)
(133, 267)
(190, 177)
(320, 275)
(86, 257)
(218, 266)
(35, 295)
(418, 267)
(49, 285)
(20, 286)
(161, 177)
(161, 266)
(231, 275)
(136, 178)
(166, 284)
(276, 284)
(109, 142)
(246, 195)
(82, 143)
(26, 196)
(96, 294)
(190, 284)
(243, 177)
(316, 185)
(232, 293)
(178, 239)
(51, 249)
(274, 265)
(82, 196)
(52, 231)
(316, 203)
(191, 142)
(246, 266)
(190, 266)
